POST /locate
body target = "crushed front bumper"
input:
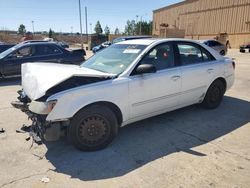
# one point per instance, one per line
(37, 129)
(40, 129)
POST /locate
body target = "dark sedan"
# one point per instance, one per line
(243, 48)
(11, 59)
(4, 47)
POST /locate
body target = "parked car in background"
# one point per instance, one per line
(116, 40)
(245, 47)
(101, 46)
(124, 83)
(123, 38)
(221, 48)
(33, 51)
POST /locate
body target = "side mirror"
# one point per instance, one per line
(145, 68)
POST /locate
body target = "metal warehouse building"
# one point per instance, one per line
(204, 19)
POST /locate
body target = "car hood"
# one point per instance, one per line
(37, 78)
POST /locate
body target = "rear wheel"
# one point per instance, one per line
(214, 95)
(93, 128)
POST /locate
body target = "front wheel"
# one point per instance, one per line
(214, 95)
(93, 128)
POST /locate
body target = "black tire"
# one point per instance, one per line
(214, 95)
(222, 52)
(93, 128)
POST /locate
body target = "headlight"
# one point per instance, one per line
(51, 105)
(42, 107)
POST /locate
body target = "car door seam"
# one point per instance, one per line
(167, 96)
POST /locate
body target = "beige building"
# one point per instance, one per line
(205, 19)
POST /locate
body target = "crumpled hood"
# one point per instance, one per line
(37, 78)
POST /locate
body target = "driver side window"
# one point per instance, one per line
(162, 57)
(23, 52)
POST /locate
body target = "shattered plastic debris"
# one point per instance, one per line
(2, 130)
(45, 179)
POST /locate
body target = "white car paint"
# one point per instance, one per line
(138, 97)
(37, 78)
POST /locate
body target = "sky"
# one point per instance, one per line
(63, 15)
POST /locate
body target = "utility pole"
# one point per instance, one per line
(33, 27)
(90, 28)
(86, 19)
(136, 32)
(140, 25)
(80, 15)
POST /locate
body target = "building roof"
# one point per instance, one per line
(174, 5)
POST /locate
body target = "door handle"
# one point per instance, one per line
(210, 70)
(175, 78)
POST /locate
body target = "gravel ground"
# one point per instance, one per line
(190, 147)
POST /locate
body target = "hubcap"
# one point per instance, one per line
(93, 130)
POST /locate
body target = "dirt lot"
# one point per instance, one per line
(191, 147)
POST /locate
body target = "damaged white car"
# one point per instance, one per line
(127, 82)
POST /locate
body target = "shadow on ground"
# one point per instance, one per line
(140, 143)
(10, 81)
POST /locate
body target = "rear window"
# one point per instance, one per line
(193, 54)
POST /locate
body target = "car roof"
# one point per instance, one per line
(149, 41)
(133, 37)
(39, 42)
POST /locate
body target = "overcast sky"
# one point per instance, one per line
(63, 15)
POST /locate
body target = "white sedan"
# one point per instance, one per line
(126, 82)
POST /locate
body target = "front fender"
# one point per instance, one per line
(69, 103)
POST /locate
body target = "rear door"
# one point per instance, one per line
(198, 69)
(48, 53)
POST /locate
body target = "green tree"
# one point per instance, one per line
(107, 30)
(51, 33)
(144, 28)
(117, 31)
(130, 28)
(21, 29)
(98, 28)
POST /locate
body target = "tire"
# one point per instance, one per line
(93, 128)
(222, 52)
(214, 95)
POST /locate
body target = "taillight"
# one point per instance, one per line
(233, 63)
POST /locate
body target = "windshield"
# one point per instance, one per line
(114, 59)
(7, 52)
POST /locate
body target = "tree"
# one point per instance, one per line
(107, 30)
(130, 28)
(98, 28)
(117, 32)
(51, 33)
(144, 28)
(21, 29)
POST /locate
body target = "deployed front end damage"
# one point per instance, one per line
(40, 129)
(39, 82)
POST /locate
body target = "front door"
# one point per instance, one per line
(12, 63)
(152, 93)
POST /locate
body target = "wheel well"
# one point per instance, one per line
(115, 109)
(223, 81)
